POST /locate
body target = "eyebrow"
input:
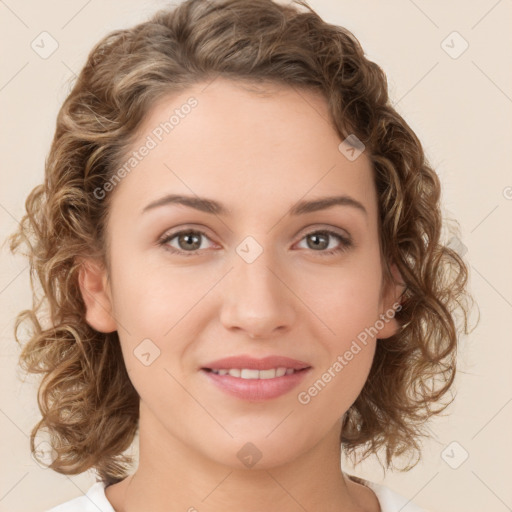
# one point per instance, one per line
(214, 207)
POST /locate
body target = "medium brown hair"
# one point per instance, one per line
(87, 402)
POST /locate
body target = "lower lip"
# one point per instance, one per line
(257, 389)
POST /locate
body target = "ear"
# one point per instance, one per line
(95, 288)
(390, 299)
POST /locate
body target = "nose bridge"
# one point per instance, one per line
(255, 298)
(254, 278)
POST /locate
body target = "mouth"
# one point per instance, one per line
(253, 379)
(246, 362)
(250, 374)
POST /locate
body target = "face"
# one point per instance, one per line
(255, 272)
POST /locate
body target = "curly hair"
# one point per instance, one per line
(88, 404)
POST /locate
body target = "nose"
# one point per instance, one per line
(257, 299)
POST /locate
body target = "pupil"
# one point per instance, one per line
(316, 238)
(188, 237)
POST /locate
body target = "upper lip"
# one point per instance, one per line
(265, 363)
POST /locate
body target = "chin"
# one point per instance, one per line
(257, 452)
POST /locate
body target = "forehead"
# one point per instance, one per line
(248, 145)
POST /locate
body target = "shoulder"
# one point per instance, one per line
(389, 500)
(93, 501)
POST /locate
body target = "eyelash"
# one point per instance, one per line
(345, 243)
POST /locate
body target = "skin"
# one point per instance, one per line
(258, 154)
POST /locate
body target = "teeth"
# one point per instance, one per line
(247, 373)
(267, 374)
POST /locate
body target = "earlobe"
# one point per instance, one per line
(96, 295)
(389, 303)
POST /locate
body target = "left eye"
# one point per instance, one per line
(318, 239)
(189, 242)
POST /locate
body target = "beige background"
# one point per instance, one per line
(461, 108)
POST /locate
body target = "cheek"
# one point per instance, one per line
(152, 296)
(157, 312)
(339, 378)
(347, 305)
(346, 301)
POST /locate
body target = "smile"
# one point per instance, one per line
(254, 385)
(249, 373)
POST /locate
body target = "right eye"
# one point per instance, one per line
(185, 239)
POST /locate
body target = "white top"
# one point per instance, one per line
(96, 501)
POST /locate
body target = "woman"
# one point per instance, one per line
(238, 240)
